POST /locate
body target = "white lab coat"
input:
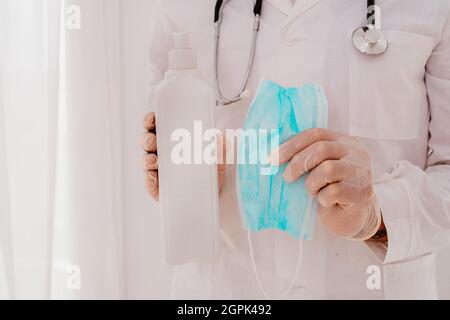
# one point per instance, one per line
(397, 103)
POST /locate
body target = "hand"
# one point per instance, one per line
(339, 175)
(150, 159)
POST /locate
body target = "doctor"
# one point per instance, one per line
(381, 172)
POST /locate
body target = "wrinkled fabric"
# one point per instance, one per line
(267, 201)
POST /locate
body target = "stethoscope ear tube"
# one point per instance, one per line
(258, 8)
(217, 9)
(370, 12)
(219, 3)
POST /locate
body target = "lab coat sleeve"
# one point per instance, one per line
(161, 42)
(416, 202)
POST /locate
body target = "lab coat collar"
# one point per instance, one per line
(292, 11)
(300, 8)
(284, 6)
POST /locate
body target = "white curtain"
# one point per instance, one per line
(61, 205)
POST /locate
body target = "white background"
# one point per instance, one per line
(146, 275)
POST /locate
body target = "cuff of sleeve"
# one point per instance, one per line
(394, 204)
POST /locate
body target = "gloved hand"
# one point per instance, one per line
(339, 175)
(150, 159)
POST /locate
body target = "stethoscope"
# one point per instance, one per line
(368, 39)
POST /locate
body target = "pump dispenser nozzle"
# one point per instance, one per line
(182, 57)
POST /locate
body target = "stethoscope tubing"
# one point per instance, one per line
(218, 17)
(217, 24)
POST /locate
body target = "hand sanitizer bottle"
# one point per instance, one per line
(188, 187)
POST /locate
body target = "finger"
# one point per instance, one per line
(313, 156)
(148, 142)
(288, 150)
(221, 149)
(341, 194)
(222, 156)
(221, 177)
(329, 171)
(152, 184)
(149, 162)
(150, 121)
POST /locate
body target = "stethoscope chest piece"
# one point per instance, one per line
(370, 40)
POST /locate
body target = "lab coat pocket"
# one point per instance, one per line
(387, 91)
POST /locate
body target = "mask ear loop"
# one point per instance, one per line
(311, 203)
(258, 279)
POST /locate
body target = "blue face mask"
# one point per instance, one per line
(277, 114)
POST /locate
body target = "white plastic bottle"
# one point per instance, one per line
(188, 192)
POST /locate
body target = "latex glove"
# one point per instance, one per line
(339, 175)
(149, 161)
